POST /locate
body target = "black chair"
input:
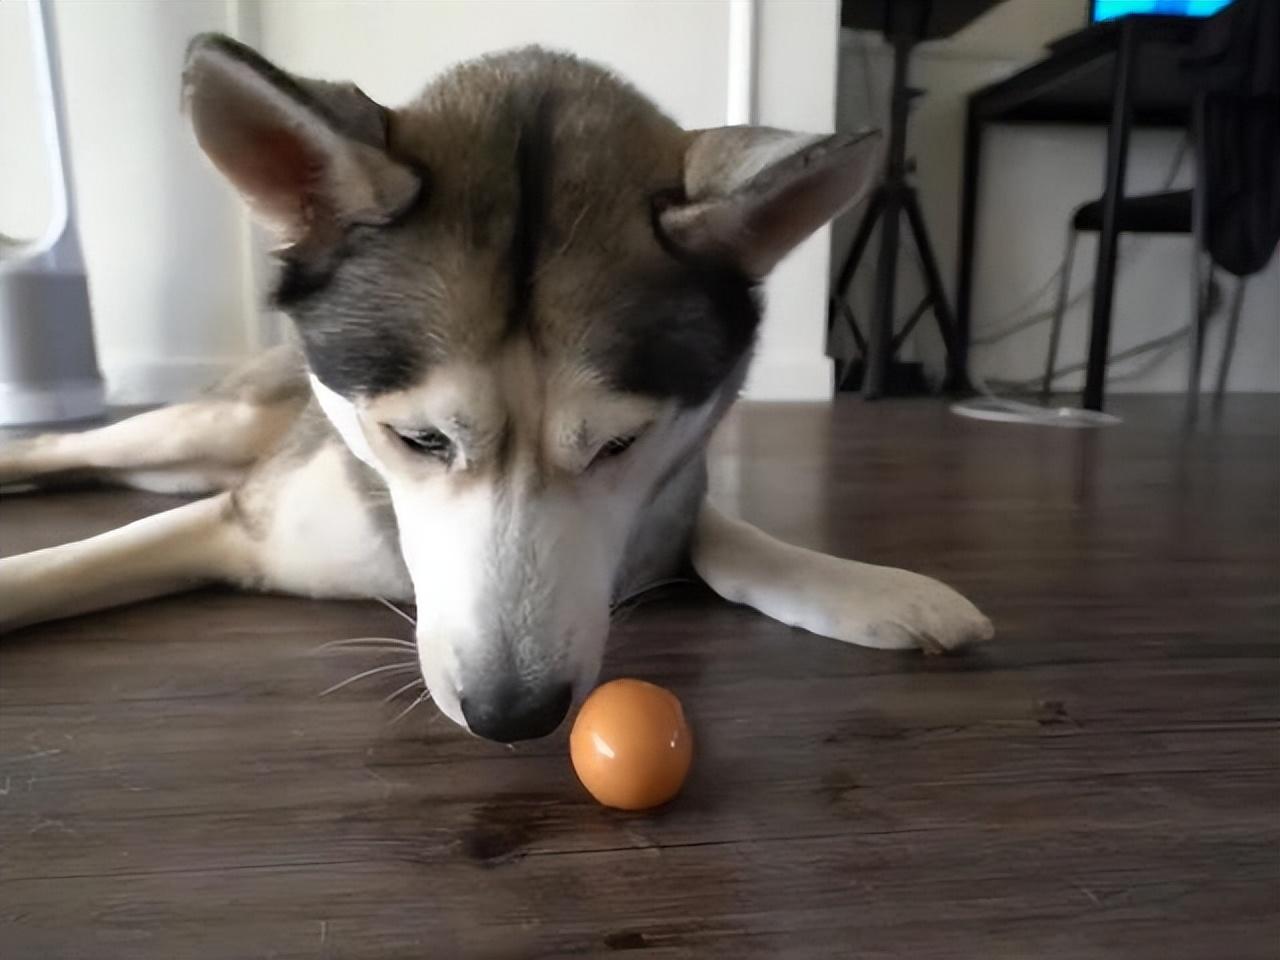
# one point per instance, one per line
(1157, 213)
(1232, 214)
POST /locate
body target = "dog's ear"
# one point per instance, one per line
(309, 156)
(753, 193)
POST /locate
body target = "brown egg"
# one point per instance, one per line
(630, 745)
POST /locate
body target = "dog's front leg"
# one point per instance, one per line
(856, 602)
(188, 546)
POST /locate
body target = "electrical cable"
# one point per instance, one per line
(991, 406)
(1163, 344)
(1007, 325)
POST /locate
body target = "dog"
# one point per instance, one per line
(520, 305)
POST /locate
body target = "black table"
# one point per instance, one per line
(1119, 73)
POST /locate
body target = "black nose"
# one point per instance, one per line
(517, 714)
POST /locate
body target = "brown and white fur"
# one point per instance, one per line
(522, 303)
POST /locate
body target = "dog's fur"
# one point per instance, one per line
(522, 303)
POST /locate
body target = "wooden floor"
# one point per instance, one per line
(1101, 782)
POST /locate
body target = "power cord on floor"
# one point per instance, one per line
(992, 406)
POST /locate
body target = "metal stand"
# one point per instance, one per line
(893, 197)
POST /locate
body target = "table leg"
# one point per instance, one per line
(968, 228)
(1117, 160)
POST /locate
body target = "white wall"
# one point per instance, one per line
(1033, 178)
(795, 90)
(161, 239)
(173, 273)
(676, 51)
(24, 186)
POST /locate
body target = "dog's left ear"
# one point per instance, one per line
(753, 193)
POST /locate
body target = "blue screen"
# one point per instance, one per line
(1107, 9)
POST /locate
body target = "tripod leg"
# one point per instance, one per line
(846, 367)
(880, 334)
(859, 340)
(838, 305)
(859, 245)
(957, 379)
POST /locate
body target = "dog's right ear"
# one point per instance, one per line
(751, 194)
(309, 156)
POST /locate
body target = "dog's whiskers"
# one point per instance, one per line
(377, 643)
(400, 667)
(408, 686)
(396, 610)
(422, 698)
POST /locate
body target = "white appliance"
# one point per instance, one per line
(48, 364)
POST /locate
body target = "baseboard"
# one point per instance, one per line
(790, 379)
(144, 381)
(64, 401)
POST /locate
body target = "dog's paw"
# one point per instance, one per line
(855, 602)
(893, 609)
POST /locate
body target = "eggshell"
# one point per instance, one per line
(630, 745)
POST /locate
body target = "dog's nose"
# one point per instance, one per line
(517, 714)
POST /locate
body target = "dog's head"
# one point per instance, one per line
(524, 298)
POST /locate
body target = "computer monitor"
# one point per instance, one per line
(1110, 9)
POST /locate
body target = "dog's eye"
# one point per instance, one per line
(613, 448)
(431, 443)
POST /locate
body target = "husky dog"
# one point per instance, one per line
(521, 303)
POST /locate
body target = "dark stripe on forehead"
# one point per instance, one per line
(365, 330)
(679, 333)
(533, 112)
